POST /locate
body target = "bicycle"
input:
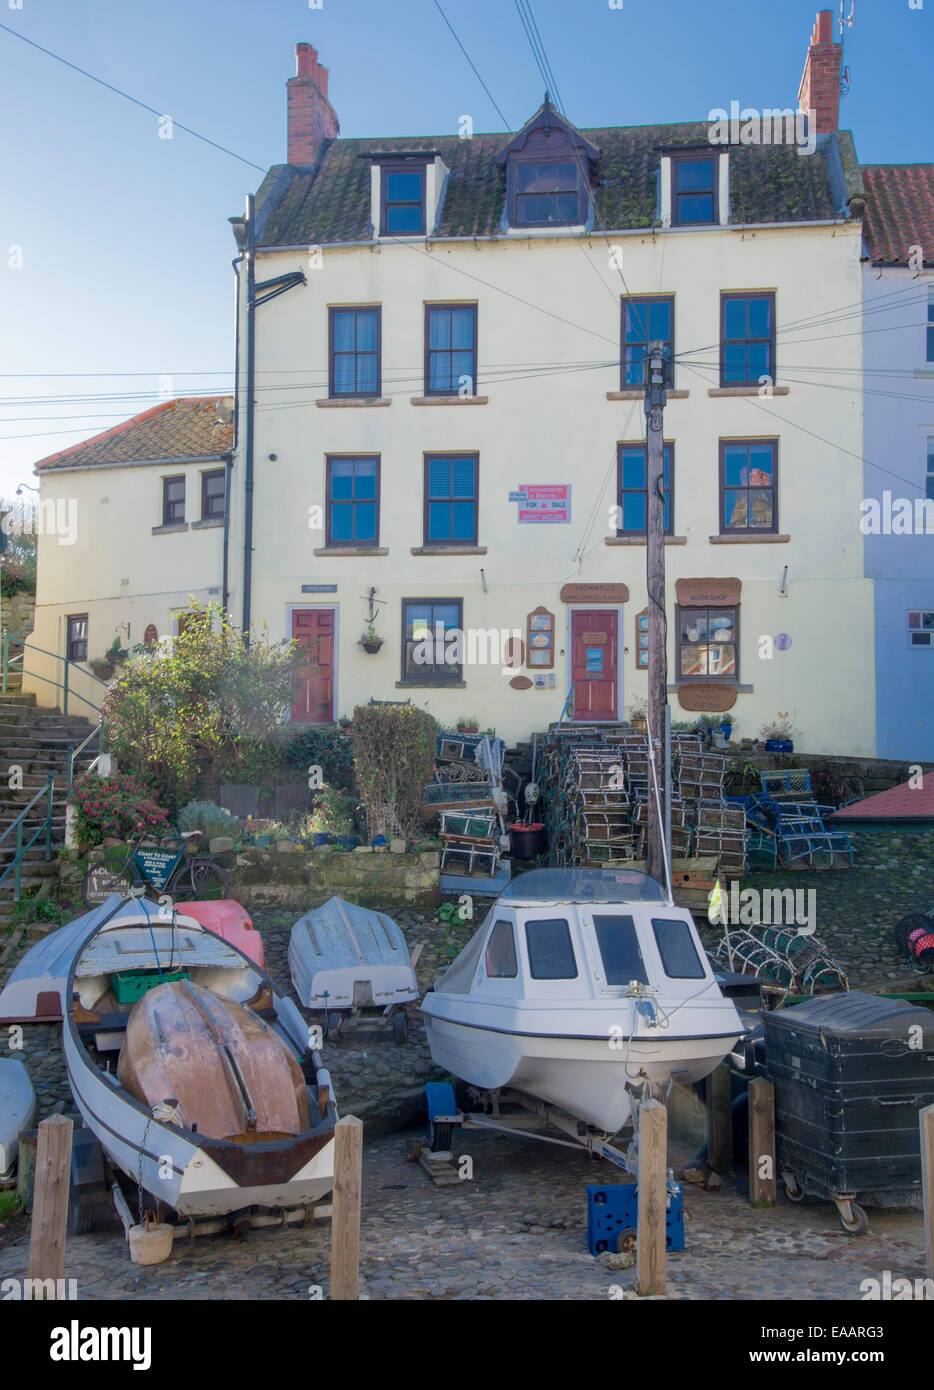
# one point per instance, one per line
(157, 870)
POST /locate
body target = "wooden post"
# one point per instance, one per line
(927, 1180)
(719, 1120)
(345, 1220)
(50, 1199)
(25, 1162)
(653, 1193)
(761, 1142)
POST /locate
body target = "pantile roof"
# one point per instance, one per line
(331, 203)
(192, 427)
(899, 211)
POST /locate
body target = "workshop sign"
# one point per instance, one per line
(542, 502)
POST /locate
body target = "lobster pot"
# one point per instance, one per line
(761, 850)
(848, 1089)
(800, 964)
(471, 825)
(716, 815)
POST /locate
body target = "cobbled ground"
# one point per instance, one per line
(517, 1228)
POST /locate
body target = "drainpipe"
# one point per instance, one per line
(225, 584)
(250, 391)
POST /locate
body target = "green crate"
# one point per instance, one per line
(133, 984)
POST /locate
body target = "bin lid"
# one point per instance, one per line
(851, 1014)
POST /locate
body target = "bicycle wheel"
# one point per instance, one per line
(112, 874)
(199, 879)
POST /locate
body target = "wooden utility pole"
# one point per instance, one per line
(658, 377)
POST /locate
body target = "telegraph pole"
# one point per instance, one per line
(658, 378)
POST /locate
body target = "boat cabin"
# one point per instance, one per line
(561, 934)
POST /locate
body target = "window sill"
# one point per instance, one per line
(638, 394)
(339, 403)
(641, 540)
(749, 391)
(711, 680)
(207, 523)
(350, 550)
(924, 373)
(172, 529)
(449, 400)
(431, 685)
(747, 538)
(449, 550)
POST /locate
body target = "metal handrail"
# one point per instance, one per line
(21, 849)
(9, 661)
(73, 753)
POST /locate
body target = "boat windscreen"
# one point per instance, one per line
(583, 885)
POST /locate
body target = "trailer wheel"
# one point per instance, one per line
(793, 1189)
(399, 1028)
(626, 1241)
(855, 1221)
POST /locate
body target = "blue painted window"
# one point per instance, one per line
(748, 485)
(355, 349)
(403, 211)
(633, 497)
(747, 349)
(930, 328)
(430, 628)
(694, 189)
(451, 350)
(353, 501)
(644, 321)
(451, 499)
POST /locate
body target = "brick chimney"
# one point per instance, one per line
(820, 84)
(312, 120)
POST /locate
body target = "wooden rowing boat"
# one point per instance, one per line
(223, 1071)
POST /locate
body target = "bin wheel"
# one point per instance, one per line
(853, 1219)
(399, 1028)
(793, 1189)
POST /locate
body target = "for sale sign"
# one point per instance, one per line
(543, 502)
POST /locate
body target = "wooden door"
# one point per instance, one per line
(594, 660)
(313, 629)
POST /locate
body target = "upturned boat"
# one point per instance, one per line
(195, 1076)
(581, 986)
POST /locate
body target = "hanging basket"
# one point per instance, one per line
(371, 645)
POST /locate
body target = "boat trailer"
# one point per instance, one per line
(444, 1117)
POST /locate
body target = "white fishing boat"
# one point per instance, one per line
(192, 1072)
(352, 962)
(17, 1112)
(581, 986)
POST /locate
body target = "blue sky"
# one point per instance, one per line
(125, 243)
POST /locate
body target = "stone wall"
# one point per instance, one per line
(303, 878)
(17, 614)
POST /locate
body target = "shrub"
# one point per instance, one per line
(209, 818)
(332, 812)
(394, 756)
(329, 749)
(115, 806)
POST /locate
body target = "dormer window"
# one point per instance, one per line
(549, 167)
(693, 189)
(402, 210)
(547, 193)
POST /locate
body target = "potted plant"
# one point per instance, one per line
(467, 724)
(117, 654)
(102, 667)
(721, 730)
(638, 716)
(370, 642)
(779, 734)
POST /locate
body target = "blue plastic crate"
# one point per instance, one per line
(614, 1209)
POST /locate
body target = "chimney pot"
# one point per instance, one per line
(312, 121)
(820, 84)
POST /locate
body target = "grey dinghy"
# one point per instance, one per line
(341, 956)
(217, 1022)
(581, 985)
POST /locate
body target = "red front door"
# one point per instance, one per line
(594, 663)
(313, 629)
